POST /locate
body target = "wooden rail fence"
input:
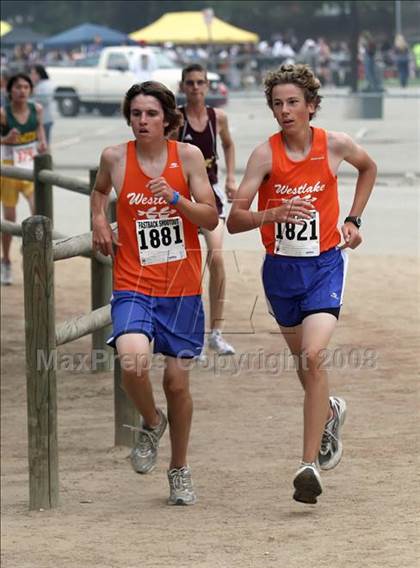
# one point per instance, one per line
(42, 246)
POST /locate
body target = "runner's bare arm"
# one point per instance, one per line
(229, 152)
(103, 237)
(241, 218)
(342, 147)
(202, 211)
(12, 136)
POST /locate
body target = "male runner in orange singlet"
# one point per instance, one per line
(295, 176)
(157, 269)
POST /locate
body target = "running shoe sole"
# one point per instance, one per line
(307, 487)
(181, 502)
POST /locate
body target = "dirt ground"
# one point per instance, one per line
(245, 445)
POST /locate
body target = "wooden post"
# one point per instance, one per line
(124, 412)
(43, 190)
(38, 273)
(101, 291)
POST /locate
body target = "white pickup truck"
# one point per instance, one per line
(100, 80)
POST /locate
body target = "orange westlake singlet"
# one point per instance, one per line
(160, 253)
(308, 178)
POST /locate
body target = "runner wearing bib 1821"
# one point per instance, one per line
(295, 176)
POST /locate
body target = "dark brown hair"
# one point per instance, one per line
(160, 92)
(300, 75)
(193, 67)
(14, 78)
(40, 69)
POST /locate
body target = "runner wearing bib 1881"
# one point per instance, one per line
(163, 197)
(295, 175)
(22, 137)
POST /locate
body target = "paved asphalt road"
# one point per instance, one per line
(391, 221)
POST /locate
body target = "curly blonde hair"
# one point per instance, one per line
(300, 75)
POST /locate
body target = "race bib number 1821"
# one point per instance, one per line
(298, 240)
(160, 240)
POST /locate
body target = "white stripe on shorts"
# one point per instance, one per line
(345, 257)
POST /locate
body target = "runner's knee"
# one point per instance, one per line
(311, 361)
(176, 385)
(134, 366)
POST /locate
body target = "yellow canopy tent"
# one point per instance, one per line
(4, 28)
(190, 27)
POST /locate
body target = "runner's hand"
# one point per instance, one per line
(42, 147)
(160, 188)
(12, 137)
(231, 190)
(103, 237)
(351, 235)
(295, 210)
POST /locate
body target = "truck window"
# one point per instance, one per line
(163, 61)
(89, 61)
(117, 61)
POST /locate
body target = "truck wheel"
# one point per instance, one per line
(68, 104)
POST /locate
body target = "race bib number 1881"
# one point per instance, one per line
(160, 240)
(298, 240)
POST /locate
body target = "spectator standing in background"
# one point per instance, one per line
(372, 74)
(402, 59)
(324, 61)
(43, 94)
(309, 54)
(416, 53)
(340, 64)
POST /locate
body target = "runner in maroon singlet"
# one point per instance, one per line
(202, 125)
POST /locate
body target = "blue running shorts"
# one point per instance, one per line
(297, 287)
(176, 325)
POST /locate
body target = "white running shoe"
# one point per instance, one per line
(144, 454)
(217, 343)
(202, 358)
(180, 486)
(307, 483)
(331, 448)
(6, 278)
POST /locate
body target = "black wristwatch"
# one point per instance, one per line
(355, 220)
